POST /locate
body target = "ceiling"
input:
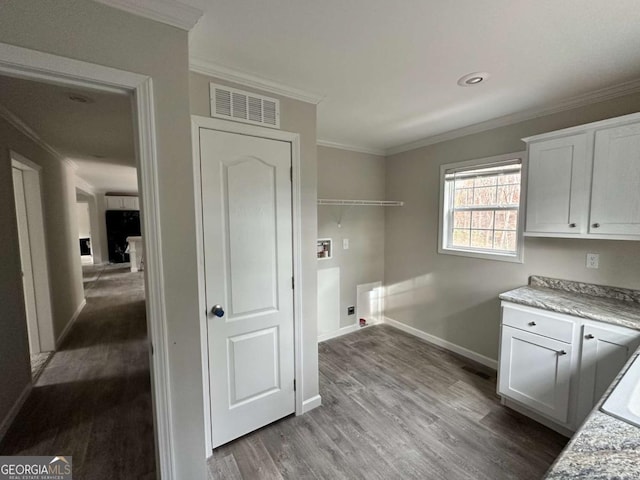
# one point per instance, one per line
(388, 70)
(96, 136)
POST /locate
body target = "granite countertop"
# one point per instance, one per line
(618, 306)
(604, 447)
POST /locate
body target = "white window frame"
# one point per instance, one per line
(443, 225)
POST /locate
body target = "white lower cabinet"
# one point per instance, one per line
(538, 372)
(558, 366)
(605, 350)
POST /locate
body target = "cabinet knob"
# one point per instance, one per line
(589, 336)
(596, 225)
(532, 324)
(562, 352)
(573, 225)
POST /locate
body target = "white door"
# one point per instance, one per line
(26, 262)
(536, 371)
(557, 185)
(605, 350)
(247, 223)
(615, 201)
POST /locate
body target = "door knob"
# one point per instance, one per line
(573, 225)
(596, 225)
(589, 336)
(562, 352)
(218, 311)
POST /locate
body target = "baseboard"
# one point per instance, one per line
(465, 352)
(344, 331)
(73, 319)
(11, 416)
(311, 403)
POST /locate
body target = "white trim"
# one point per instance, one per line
(198, 122)
(34, 65)
(13, 413)
(323, 337)
(61, 338)
(37, 239)
(351, 148)
(206, 67)
(443, 204)
(170, 12)
(84, 186)
(311, 403)
(577, 101)
(427, 337)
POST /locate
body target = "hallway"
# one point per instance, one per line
(93, 400)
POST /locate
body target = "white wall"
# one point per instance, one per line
(110, 37)
(455, 298)
(84, 223)
(356, 176)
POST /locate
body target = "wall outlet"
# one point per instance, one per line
(345, 244)
(351, 310)
(593, 260)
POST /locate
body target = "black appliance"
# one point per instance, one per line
(120, 225)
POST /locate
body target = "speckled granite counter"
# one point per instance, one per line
(603, 447)
(618, 306)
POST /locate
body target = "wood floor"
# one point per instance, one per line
(394, 407)
(93, 400)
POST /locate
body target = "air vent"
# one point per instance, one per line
(241, 106)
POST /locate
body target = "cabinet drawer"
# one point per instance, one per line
(545, 323)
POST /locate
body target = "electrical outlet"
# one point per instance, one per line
(345, 244)
(351, 310)
(593, 260)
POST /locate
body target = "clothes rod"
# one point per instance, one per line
(371, 203)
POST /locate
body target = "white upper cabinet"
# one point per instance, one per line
(559, 192)
(585, 181)
(615, 198)
(122, 203)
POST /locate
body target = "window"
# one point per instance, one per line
(480, 208)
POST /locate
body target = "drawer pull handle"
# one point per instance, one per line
(532, 324)
(573, 225)
(589, 336)
(596, 225)
(562, 352)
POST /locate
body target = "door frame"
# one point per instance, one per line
(38, 249)
(34, 65)
(198, 122)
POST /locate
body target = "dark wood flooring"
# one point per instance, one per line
(395, 407)
(93, 400)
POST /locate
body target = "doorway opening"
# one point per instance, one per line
(60, 177)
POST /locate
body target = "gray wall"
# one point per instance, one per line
(356, 176)
(298, 117)
(61, 237)
(455, 298)
(98, 34)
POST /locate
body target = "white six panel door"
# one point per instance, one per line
(247, 224)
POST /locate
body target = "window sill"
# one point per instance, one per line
(501, 257)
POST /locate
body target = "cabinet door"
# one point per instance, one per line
(130, 203)
(615, 198)
(536, 372)
(114, 203)
(605, 350)
(557, 187)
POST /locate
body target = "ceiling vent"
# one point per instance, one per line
(241, 106)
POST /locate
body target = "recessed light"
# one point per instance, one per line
(473, 79)
(78, 98)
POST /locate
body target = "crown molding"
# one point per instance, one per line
(351, 148)
(170, 12)
(577, 101)
(205, 67)
(26, 130)
(84, 186)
